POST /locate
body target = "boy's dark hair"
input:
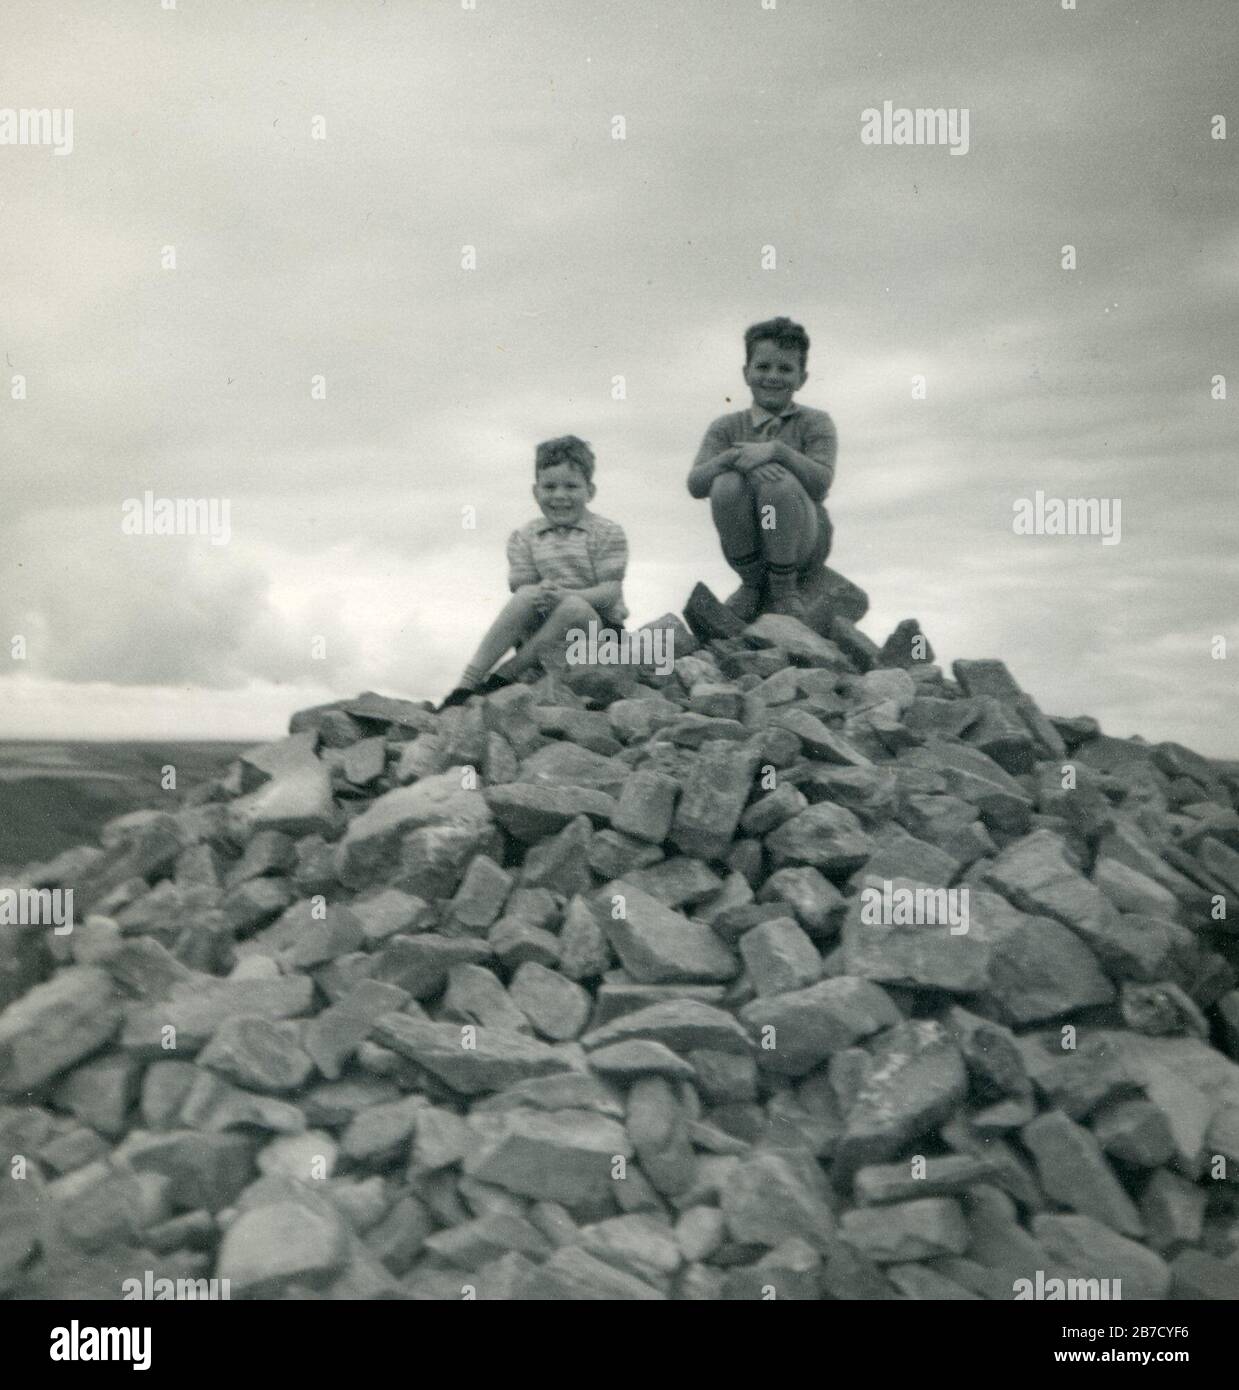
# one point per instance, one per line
(782, 333)
(566, 449)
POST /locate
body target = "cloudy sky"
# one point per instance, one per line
(598, 258)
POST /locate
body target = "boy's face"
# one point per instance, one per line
(774, 375)
(562, 493)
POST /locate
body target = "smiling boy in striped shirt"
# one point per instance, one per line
(565, 569)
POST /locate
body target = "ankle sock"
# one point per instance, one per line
(473, 677)
(782, 580)
(750, 568)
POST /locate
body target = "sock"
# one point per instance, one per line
(750, 568)
(782, 580)
(473, 677)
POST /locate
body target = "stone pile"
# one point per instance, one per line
(580, 991)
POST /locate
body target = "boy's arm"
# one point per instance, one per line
(521, 568)
(815, 468)
(716, 455)
(610, 564)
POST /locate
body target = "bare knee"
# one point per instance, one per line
(786, 490)
(523, 605)
(728, 489)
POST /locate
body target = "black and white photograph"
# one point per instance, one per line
(619, 662)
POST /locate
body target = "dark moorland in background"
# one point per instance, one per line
(54, 795)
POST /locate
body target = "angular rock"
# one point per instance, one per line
(557, 1008)
(657, 945)
(772, 1197)
(917, 1080)
(471, 1060)
(259, 1054)
(713, 799)
(561, 863)
(530, 811)
(1074, 1172)
(828, 837)
(564, 1156)
(54, 1025)
(272, 1246)
(368, 850)
(798, 1031)
(658, 1127)
(1090, 1249)
(927, 1229)
(779, 957)
(682, 1024)
(332, 1037)
(481, 895)
(197, 1007)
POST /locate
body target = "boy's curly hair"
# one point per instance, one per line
(782, 332)
(566, 449)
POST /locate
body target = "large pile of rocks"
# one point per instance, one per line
(800, 972)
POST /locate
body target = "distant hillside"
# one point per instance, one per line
(57, 795)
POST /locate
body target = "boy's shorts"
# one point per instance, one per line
(821, 546)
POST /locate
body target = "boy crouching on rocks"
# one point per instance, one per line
(566, 569)
(766, 470)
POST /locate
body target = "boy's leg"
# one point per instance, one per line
(570, 612)
(732, 507)
(789, 542)
(517, 618)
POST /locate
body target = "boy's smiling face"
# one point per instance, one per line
(562, 493)
(774, 374)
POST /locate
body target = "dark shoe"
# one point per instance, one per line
(492, 683)
(745, 603)
(457, 697)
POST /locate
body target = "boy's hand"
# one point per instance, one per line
(751, 456)
(549, 595)
(770, 472)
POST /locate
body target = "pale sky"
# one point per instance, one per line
(599, 258)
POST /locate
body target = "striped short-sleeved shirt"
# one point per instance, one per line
(591, 552)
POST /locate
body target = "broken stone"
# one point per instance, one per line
(470, 1059)
(826, 836)
(658, 1128)
(1074, 1171)
(779, 957)
(916, 1081)
(1090, 1249)
(54, 1025)
(926, 1229)
(657, 945)
(799, 1030)
(566, 1156)
(557, 1008)
(480, 897)
(272, 1246)
(530, 811)
(561, 863)
(258, 1053)
(713, 799)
